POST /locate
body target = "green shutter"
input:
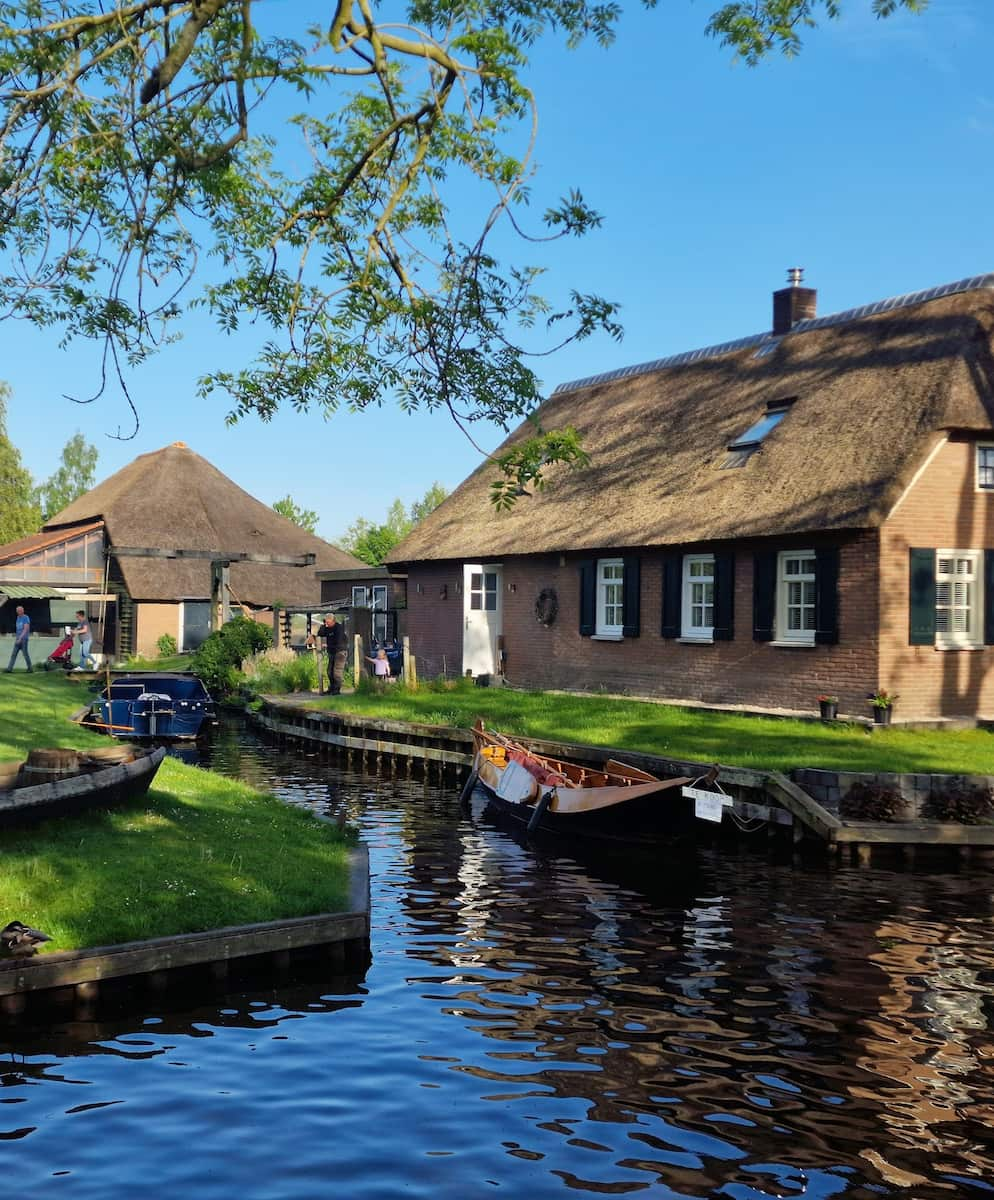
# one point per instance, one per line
(631, 595)
(672, 593)
(827, 596)
(724, 596)
(588, 597)
(764, 587)
(921, 598)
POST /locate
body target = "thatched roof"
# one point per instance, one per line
(873, 389)
(173, 498)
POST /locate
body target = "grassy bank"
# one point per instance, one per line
(198, 852)
(684, 733)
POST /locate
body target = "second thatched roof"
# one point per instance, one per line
(175, 499)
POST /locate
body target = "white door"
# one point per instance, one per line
(481, 618)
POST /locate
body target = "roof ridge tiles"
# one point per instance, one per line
(769, 341)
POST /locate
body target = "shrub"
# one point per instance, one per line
(872, 802)
(218, 658)
(166, 646)
(969, 804)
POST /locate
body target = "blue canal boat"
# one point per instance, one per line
(156, 707)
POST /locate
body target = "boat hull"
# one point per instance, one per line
(153, 708)
(94, 785)
(544, 797)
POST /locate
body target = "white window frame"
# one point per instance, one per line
(688, 630)
(973, 637)
(602, 628)
(378, 595)
(981, 448)
(359, 597)
(784, 635)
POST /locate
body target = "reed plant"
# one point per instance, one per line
(280, 670)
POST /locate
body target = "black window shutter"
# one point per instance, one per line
(724, 596)
(631, 588)
(921, 598)
(588, 597)
(989, 597)
(672, 594)
(827, 596)
(764, 587)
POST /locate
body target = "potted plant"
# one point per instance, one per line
(829, 706)
(883, 706)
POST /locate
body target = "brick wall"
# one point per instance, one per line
(941, 509)
(434, 620)
(152, 621)
(741, 671)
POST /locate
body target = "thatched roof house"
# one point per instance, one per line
(739, 465)
(870, 391)
(172, 499)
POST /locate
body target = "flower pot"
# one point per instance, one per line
(881, 714)
(829, 709)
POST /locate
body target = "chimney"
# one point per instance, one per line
(793, 303)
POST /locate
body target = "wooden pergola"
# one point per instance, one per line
(220, 561)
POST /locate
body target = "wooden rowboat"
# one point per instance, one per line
(615, 803)
(56, 782)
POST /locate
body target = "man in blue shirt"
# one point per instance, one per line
(22, 631)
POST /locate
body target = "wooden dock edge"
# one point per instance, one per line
(73, 968)
(787, 803)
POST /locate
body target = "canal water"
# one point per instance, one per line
(532, 1025)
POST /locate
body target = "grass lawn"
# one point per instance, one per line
(198, 852)
(684, 733)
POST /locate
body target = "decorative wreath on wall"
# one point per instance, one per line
(546, 606)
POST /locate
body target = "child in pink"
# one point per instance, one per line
(381, 666)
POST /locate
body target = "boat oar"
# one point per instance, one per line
(467, 788)
(540, 809)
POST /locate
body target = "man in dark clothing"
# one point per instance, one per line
(334, 644)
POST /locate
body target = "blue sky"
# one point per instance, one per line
(867, 160)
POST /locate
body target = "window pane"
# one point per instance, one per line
(475, 600)
(957, 597)
(476, 580)
(756, 432)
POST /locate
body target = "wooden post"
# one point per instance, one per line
(276, 626)
(357, 659)
(220, 604)
(413, 681)
(407, 660)
(317, 665)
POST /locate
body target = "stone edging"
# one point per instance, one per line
(76, 968)
(829, 787)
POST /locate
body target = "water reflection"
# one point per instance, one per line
(709, 1026)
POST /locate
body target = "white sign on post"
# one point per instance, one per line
(707, 805)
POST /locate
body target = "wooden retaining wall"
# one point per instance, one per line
(768, 796)
(77, 976)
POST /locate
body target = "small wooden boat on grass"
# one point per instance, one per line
(617, 803)
(56, 782)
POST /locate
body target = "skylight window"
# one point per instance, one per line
(776, 410)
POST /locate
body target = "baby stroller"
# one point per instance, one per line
(61, 656)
